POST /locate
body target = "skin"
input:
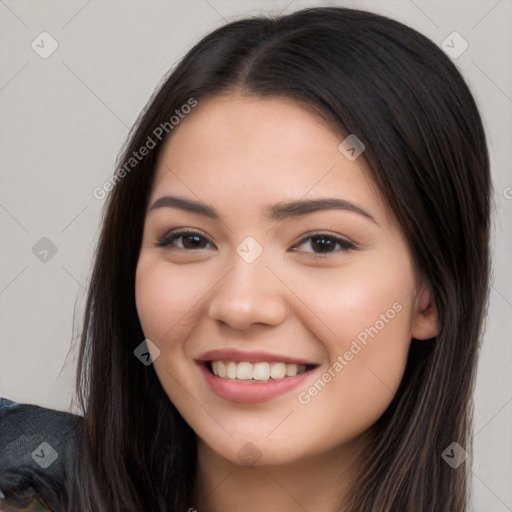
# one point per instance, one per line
(240, 154)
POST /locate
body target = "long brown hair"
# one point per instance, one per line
(426, 152)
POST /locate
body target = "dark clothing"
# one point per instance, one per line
(37, 451)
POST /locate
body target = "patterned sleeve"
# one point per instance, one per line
(37, 451)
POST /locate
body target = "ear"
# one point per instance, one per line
(425, 324)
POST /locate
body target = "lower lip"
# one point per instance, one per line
(251, 392)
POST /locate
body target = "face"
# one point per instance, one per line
(277, 287)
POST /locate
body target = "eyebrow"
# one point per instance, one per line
(276, 212)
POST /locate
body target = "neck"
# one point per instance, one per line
(317, 483)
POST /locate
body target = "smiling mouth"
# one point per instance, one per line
(262, 371)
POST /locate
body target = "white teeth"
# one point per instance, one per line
(260, 371)
(291, 370)
(221, 369)
(231, 370)
(277, 370)
(244, 371)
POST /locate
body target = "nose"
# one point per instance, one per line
(249, 294)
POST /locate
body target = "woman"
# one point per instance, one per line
(289, 288)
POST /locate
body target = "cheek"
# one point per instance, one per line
(366, 329)
(170, 304)
(165, 299)
(361, 301)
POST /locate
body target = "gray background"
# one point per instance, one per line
(65, 117)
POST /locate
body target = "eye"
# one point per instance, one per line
(323, 243)
(184, 239)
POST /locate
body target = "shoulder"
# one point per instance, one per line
(38, 447)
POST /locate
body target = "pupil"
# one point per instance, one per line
(323, 244)
(192, 242)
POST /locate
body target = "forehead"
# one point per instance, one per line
(248, 149)
(223, 121)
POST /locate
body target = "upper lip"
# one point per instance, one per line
(229, 354)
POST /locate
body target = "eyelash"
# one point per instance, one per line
(344, 245)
